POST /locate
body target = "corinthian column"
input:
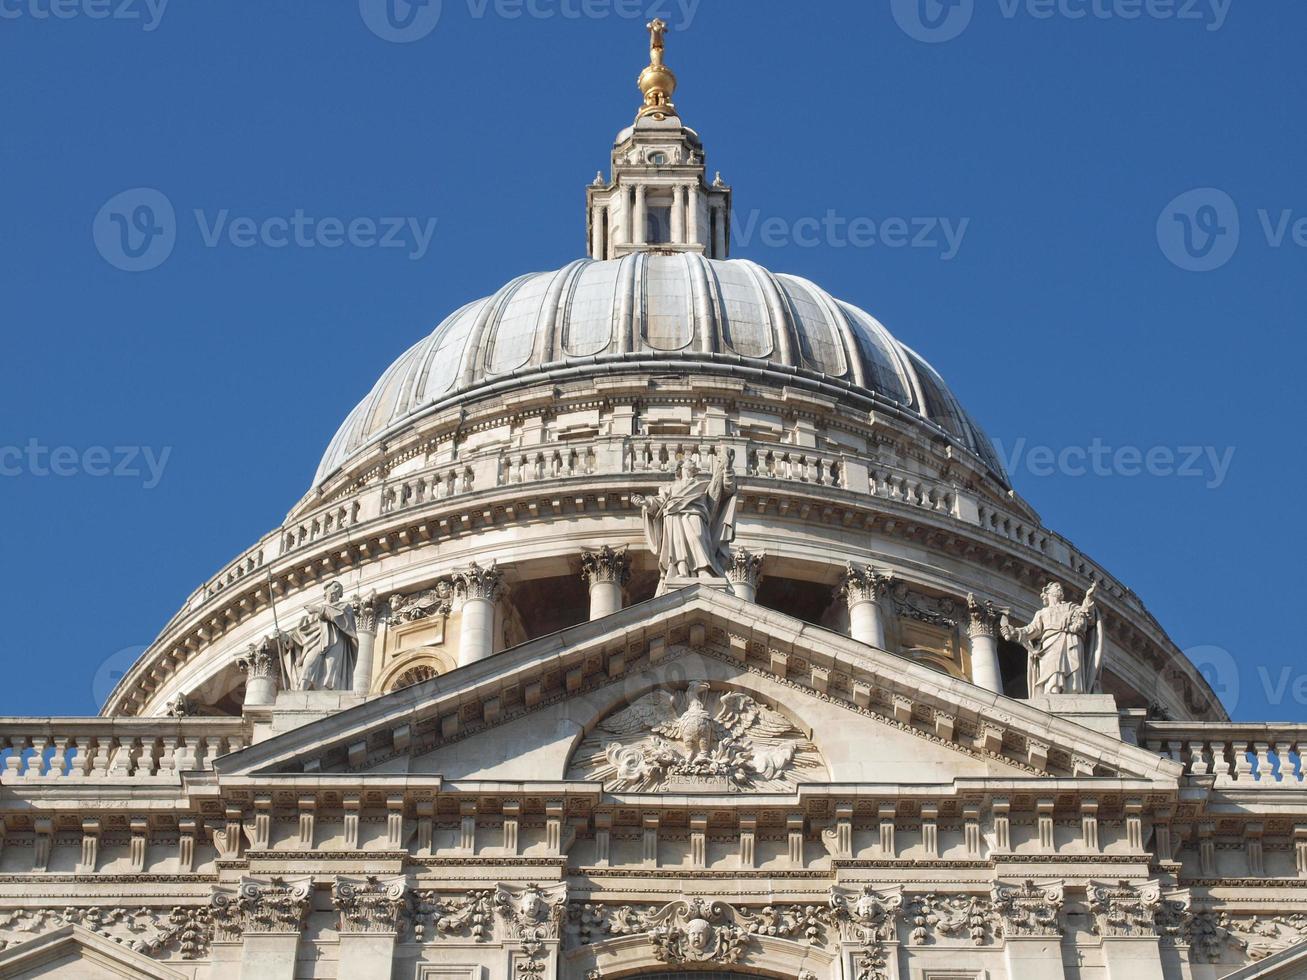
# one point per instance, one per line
(606, 571)
(744, 573)
(365, 613)
(479, 588)
(262, 670)
(862, 588)
(983, 630)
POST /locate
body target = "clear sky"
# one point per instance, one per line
(1003, 182)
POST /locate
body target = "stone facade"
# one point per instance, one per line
(539, 749)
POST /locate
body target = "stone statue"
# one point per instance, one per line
(1065, 644)
(324, 646)
(691, 523)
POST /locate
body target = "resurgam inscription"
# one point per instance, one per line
(696, 739)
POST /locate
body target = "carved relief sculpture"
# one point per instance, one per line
(696, 739)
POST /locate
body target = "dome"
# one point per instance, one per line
(657, 311)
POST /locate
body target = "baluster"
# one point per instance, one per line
(85, 757)
(122, 759)
(1197, 762)
(36, 761)
(58, 758)
(1265, 767)
(1242, 766)
(1220, 758)
(14, 763)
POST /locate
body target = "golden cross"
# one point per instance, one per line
(657, 30)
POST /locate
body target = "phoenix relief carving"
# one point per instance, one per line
(698, 738)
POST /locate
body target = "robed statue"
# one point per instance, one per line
(1064, 643)
(323, 648)
(690, 524)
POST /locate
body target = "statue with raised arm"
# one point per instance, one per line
(325, 645)
(690, 524)
(1065, 644)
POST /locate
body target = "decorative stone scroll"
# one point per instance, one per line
(186, 929)
(955, 916)
(435, 601)
(370, 905)
(697, 739)
(1125, 909)
(470, 915)
(697, 931)
(275, 906)
(868, 918)
(1029, 909)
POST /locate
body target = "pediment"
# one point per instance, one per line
(74, 951)
(537, 711)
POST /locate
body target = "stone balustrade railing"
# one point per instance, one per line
(1252, 756)
(113, 748)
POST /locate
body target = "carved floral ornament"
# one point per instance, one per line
(696, 739)
(689, 931)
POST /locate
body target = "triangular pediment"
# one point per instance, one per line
(74, 951)
(534, 712)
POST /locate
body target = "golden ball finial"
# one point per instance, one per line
(657, 83)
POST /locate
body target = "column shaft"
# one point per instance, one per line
(476, 632)
(867, 623)
(363, 668)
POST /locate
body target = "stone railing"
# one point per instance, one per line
(112, 748)
(1263, 756)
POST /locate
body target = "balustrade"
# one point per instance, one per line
(113, 748)
(1249, 755)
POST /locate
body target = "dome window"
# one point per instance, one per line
(658, 158)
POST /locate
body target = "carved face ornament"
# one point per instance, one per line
(699, 935)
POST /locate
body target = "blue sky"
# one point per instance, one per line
(1082, 303)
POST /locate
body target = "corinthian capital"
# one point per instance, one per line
(862, 583)
(983, 617)
(745, 567)
(605, 564)
(262, 659)
(365, 612)
(475, 582)
(370, 904)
